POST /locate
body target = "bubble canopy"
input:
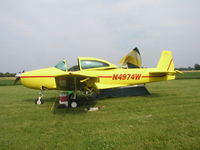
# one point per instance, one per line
(86, 63)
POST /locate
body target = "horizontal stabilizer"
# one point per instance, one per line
(164, 72)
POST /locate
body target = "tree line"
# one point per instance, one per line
(7, 74)
(196, 67)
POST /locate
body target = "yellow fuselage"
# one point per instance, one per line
(106, 74)
(107, 78)
(41, 78)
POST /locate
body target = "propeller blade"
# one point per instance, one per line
(16, 79)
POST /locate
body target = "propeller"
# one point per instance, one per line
(17, 77)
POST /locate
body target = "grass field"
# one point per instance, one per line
(168, 119)
(189, 75)
(4, 81)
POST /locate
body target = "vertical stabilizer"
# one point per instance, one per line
(166, 62)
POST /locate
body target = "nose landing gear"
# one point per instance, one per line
(39, 100)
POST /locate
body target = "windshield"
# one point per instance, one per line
(61, 65)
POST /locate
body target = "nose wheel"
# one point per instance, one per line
(39, 100)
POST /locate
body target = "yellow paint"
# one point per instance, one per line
(102, 77)
(41, 78)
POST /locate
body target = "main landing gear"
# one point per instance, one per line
(73, 103)
(39, 100)
(68, 100)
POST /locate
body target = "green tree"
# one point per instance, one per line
(196, 67)
(7, 74)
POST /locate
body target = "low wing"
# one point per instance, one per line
(83, 82)
(77, 81)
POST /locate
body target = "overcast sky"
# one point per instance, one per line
(38, 33)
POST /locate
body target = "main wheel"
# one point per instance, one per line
(73, 104)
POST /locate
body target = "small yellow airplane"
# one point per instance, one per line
(93, 75)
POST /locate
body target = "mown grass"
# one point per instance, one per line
(168, 119)
(4, 81)
(188, 75)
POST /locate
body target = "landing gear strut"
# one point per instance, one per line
(73, 103)
(39, 100)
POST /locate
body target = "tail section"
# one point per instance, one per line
(165, 68)
(166, 62)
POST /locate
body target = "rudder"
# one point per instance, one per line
(166, 62)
